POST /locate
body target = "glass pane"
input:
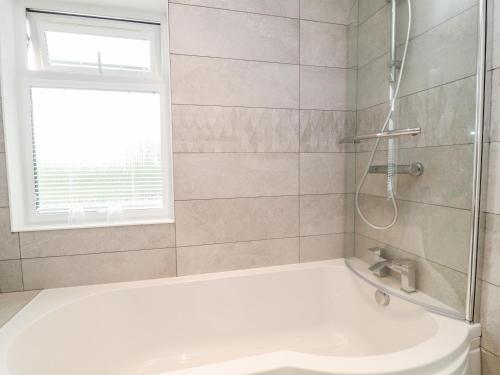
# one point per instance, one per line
(98, 52)
(96, 149)
(429, 221)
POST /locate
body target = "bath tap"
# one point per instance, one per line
(404, 267)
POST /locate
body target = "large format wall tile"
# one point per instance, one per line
(420, 230)
(239, 255)
(285, 8)
(323, 88)
(450, 61)
(323, 247)
(234, 129)
(373, 40)
(334, 11)
(428, 14)
(96, 240)
(11, 276)
(12, 303)
(9, 242)
(323, 44)
(321, 131)
(368, 8)
(490, 363)
(4, 194)
(447, 177)
(373, 83)
(213, 81)
(490, 317)
(54, 272)
(326, 173)
(202, 222)
(491, 253)
(227, 175)
(220, 33)
(493, 185)
(325, 214)
(445, 115)
(494, 133)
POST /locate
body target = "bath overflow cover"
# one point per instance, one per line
(382, 298)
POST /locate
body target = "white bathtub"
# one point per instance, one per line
(315, 318)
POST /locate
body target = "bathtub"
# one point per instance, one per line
(315, 318)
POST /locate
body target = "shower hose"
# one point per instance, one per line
(377, 142)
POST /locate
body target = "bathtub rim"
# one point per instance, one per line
(434, 351)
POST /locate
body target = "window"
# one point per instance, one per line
(92, 120)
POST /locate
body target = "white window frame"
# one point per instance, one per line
(17, 81)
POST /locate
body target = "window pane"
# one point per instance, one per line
(96, 149)
(98, 52)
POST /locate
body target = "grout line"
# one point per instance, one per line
(300, 128)
(273, 108)
(490, 352)
(490, 283)
(99, 253)
(179, 2)
(410, 253)
(418, 202)
(236, 59)
(263, 61)
(371, 15)
(406, 148)
(416, 36)
(261, 152)
(418, 92)
(256, 197)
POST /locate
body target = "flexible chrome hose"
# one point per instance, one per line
(377, 142)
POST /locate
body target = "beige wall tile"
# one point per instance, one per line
(323, 247)
(96, 240)
(227, 175)
(325, 173)
(230, 220)
(440, 234)
(451, 60)
(4, 194)
(285, 8)
(494, 131)
(323, 44)
(447, 177)
(12, 303)
(325, 214)
(491, 253)
(445, 115)
(493, 185)
(9, 242)
(374, 38)
(490, 317)
(368, 8)
(490, 363)
(239, 255)
(323, 88)
(335, 11)
(373, 84)
(55, 272)
(321, 131)
(10, 276)
(220, 33)
(213, 81)
(234, 129)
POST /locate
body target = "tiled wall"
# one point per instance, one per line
(490, 286)
(259, 103)
(437, 95)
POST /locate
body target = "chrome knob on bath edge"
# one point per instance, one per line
(406, 268)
